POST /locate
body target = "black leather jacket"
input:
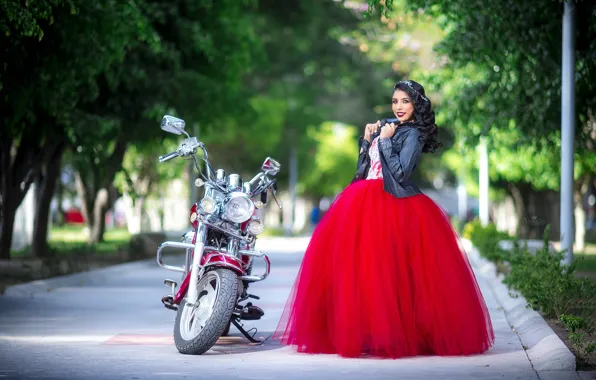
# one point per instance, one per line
(399, 157)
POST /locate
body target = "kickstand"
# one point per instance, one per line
(246, 333)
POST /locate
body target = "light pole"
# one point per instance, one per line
(567, 130)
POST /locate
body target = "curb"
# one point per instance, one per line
(544, 348)
(94, 276)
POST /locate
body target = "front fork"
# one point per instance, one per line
(195, 269)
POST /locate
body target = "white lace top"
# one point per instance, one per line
(374, 171)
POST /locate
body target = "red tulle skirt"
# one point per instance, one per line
(386, 277)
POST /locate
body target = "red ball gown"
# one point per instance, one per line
(387, 277)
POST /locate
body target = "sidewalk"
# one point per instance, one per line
(525, 346)
(543, 347)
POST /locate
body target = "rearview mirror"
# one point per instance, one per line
(173, 125)
(270, 166)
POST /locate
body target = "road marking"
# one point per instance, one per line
(57, 338)
(143, 339)
(123, 339)
(162, 339)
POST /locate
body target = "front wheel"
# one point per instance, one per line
(197, 328)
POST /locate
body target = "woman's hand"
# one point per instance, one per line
(388, 130)
(370, 129)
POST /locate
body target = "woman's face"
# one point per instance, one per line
(402, 106)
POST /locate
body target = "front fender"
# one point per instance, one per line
(219, 259)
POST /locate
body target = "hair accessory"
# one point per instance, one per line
(409, 83)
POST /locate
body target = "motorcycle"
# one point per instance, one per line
(220, 250)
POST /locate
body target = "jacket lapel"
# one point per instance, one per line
(400, 131)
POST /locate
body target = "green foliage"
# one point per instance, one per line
(71, 240)
(518, 56)
(579, 333)
(114, 242)
(16, 19)
(572, 323)
(192, 67)
(486, 239)
(240, 144)
(549, 287)
(249, 76)
(141, 174)
(78, 44)
(500, 76)
(305, 75)
(383, 7)
(585, 262)
(333, 159)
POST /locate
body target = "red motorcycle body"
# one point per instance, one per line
(214, 258)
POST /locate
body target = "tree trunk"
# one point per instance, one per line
(6, 227)
(6, 214)
(97, 198)
(591, 191)
(45, 191)
(581, 188)
(162, 215)
(518, 196)
(15, 181)
(535, 210)
(101, 206)
(141, 208)
(553, 214)
(60, 214)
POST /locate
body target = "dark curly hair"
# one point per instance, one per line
(424, 116)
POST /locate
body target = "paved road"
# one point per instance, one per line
(117, 328)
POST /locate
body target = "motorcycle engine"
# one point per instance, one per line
(216, 238)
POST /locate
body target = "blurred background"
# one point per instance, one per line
(83, 87)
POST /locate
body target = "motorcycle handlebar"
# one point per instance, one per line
(256, 178)
(169, 156)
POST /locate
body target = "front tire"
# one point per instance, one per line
(197, 329)
(227, 329)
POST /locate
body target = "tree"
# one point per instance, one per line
(333, 159)
(52, 51)
(504, 72)
(141, 176)
(195, 72)
(312, 69)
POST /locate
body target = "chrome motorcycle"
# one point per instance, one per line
(220, 249)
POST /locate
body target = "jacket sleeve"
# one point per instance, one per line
(363, 160)
(402, 163)
(362, 152)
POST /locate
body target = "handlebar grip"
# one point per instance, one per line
(169, 156)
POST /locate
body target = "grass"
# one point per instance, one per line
(279, 232)
(586, 260)
(586, 263)
(72, 239)
(273, 232)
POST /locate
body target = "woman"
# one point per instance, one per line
(384, 273)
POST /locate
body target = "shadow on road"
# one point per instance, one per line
(237, 344)
(232, 344)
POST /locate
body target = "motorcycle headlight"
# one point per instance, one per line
(239, 208)
(256, 226)
(208, 205)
